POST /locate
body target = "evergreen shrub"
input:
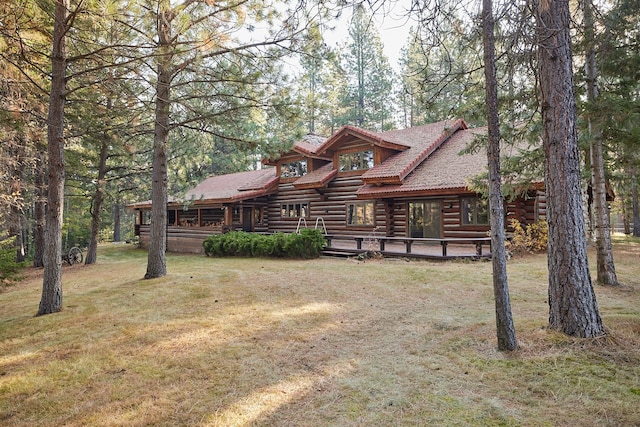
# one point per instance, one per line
(307, 244)
(9, 268)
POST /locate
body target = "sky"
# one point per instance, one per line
(392, 25)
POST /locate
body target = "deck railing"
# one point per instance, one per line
(389, 246)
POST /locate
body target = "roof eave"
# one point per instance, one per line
(316, 184)
(359, 133)
(379, 180)
(365, 194)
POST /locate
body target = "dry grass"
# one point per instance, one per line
(328, 342)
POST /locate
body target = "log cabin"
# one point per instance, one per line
(410, 183)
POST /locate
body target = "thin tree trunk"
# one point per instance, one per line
(98, 197)
(604, 250)
(39, 211)
(16, 213)
(15, 230)
(625, 219)
(51, 300)
(573, 309)
(634, 202)
(505, 330)
(606, 270)
(156, 262)
(116, 222)
(361, 71)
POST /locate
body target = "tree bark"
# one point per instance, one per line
(39, 210)
(16, 230)
(16, 151)
(573, 309)
(96, 206)
(634, 202)
(51, 300)
(504, 320)
(116, 222)
(606, 270)
(156, 261)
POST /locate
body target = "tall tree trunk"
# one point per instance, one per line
(604, 250)
(634, 202)
(96, 207)
(116, 222)
(51, 300)
(361, 88)
(39, 210)
(16, 151)
(15, 230)
(156, 262)
(573, 309)
(505, 330)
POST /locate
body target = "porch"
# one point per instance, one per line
(189, 239)
(424, 248)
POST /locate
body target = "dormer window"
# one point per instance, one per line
(293, 169)
(361, 160)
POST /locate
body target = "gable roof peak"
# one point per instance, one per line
(423, 140)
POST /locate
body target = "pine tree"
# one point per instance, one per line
(205, 76)
(573, 309)
(369, 74)
(51, 301)
(505, 329)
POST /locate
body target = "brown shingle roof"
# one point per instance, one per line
(234, 187)
(317, 178)
(309, 144)
(422, 140)
(443, 170)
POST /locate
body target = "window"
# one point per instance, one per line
(475, 211)
(293, 169)
(146, 217)
(361, 213)
(188, 218)
(258, 215)
(294, 210)
(212, 217)
(235, 215)
(171, 217)
(355, 161)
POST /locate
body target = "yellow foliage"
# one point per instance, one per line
(530, 238)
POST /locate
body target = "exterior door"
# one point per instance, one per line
(247, 219)
(425, 219)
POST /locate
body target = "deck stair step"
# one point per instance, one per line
(339, 253)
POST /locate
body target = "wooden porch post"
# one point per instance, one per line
(228, 215)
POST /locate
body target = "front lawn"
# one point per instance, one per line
(325, 342)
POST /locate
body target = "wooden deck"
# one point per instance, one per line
(443, 249)
(189, 240)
